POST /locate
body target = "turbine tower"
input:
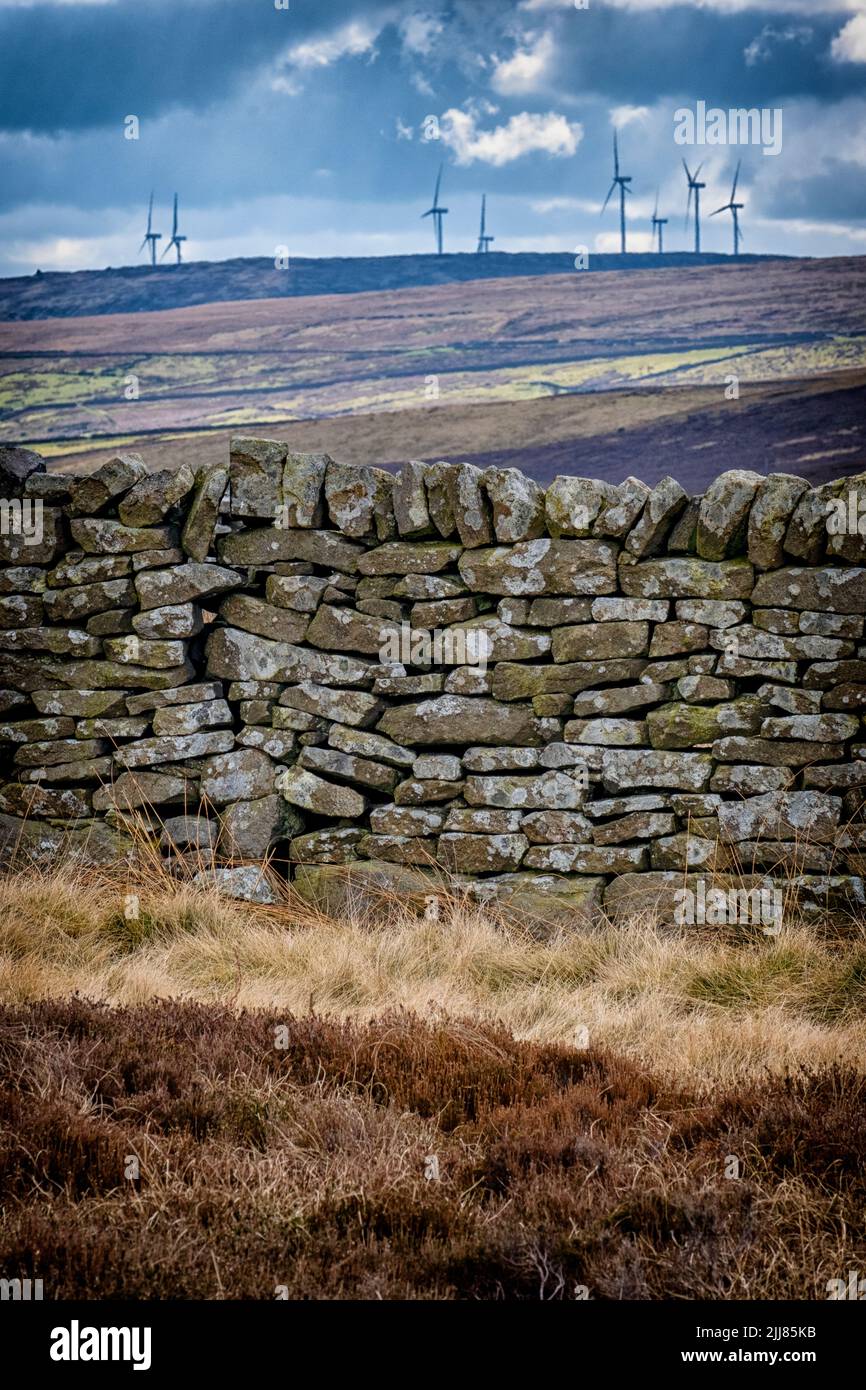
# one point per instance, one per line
(694, 187)
(437, 213)
(176, 238)
(658, 223)
(150, 237)
(622, 180)
(734, 208)
(484, 241)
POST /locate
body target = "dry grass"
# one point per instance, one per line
(705, 1006)
(301, 1159)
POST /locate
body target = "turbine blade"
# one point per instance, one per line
(607, 199)
(688, 175)
(615, 157)
(688, 207)
(142, 246)
(698, 170)
(723, 208)
(656, 208)
(736, 177)
(438, 186)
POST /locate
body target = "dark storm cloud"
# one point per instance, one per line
(837, 194)
(70, 67)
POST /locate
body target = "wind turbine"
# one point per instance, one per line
(694, 187)
(484, 240)
(622, 180)
(734, 208)
(150, 237)
(176, 238)
(437, 213)
(658, 223)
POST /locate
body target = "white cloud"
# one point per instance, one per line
(349, 41)
(621, 116)
(404, 131)
(419, 33)
(526, 133)
(849, 45)
(544, 206)
(526, 69)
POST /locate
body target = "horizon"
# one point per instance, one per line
(278, 126)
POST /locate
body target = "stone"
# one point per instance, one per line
(302, 484)
(86, 770)
(555, 828)
(237, 655)
(106, 484)
(420, 587)
(441, 612)
(618, 516)
(150, 500)
(778, 815)
(279, 745)
(554, 791)
(247, 883)
(49, 803)
(518, 505)
(398, 849)
(687, 851)
(704, 689)
(80, 703)
(256, 473)
(80, 600)
(411, 511)
(89, 844)
(252, 614)
(113, 729)
(181, 833)
(609, 732)
(587, 859)
(724, 514)
(827, 728)
(625, 768)
(545, 903)
(749, 779)
(775, 753)
(332, 846)
(639, 825)
(30, 730)
(197, 537)
(626, 805)
(490, 639)
(627, 610)
(405, 820)
(177, 621)
(59, 751)
(144, 651)
(516, 682)
(353, 707)
(556, 612)
(182, 584)
(368, 888)
(468, 680)
(172, 749)
(365, 744)
(101, 536)
(683, 535)
(470, 820)
(408, 557)
(306, 790)
(438, 765)
(190, 718)
(834, 589)
(597, 641)
(60, 641)
(431, 684)
(23, 547)
(22, 579)
(571, 505)
(413, 792)
(661, 509)
(301, 593)
(468, 504)
(179, 695)
(775, 500)
(439, 498)
(675, 639)
(133, 790)
(617, 700)
(156, 559)
(677, 577)
(460, 719)
(480, 854)
(17, 465)
(542, 567)
(268, 545)
(683, 726)
(250, 829)
(500, 759)
(359, 500)
(344, 630)
(347, 767)
(715, 613)
(807, 534)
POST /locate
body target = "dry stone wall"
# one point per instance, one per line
(567, 699)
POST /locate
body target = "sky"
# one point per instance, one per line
(319, 126)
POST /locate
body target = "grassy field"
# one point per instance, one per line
(73, 386)
(216, 1100)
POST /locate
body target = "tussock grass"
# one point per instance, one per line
(705, 1005)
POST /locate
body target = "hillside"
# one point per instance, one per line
(138, 288)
